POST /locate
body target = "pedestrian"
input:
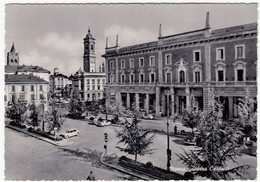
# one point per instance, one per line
(175, 130)
(91, 176)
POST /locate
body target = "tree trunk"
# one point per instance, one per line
(135, 157)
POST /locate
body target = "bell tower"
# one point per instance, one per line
(89, 56)
(12, 57)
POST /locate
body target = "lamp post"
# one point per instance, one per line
(43, 111)
(168, 138)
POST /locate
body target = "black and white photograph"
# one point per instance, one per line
(129, 91)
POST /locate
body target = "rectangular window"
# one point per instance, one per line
(111, 64)
(152, 61)
(221, 75)
(87, 81)
(32, 97)
(88, 88)
(122, 63)
(98, 81)
(88, 96)
(131, 63)
(240, 51)
(93, 87)
(142, 78)
(197, 76)
(141, 62)
(40, 87)
(23, 88)
(5, 98)
(93, 81)
(122, 78)
(98, 87)
(196, 56)
(41, 96)
(220, 54)
(98, 95)
(240, 75)
(32, 87)
(103, 81)
(152, 77)
(168, 77)
(168, 60)
(13, 88)
(131, 78)
(22, 97)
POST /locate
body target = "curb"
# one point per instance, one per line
(123, 171)
(39, 137)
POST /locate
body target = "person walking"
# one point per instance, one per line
(91, 176)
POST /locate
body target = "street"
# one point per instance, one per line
(38, 159)
(27, 158)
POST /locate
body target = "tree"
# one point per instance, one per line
(17, 111)
(54, 118)
(76, 108)
(135, 139)
(219, 144)
(35, 116)
(247, 116)
(192, 114)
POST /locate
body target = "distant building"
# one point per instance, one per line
(58, 83)
(89, 84)
(202, 62)
(28, 83)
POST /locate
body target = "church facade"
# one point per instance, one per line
(204, 63)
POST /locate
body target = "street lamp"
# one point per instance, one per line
(168, 139)
(43, 110)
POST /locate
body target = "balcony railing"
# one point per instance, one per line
(213, 83)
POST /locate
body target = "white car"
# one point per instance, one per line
(70, 133)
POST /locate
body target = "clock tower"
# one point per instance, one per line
(89, 57)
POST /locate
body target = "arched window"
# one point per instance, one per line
(182, 76)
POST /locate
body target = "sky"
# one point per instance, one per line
(52, 36)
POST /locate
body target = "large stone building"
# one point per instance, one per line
(202, 62)
(28, 83)
(59, 84)
(89, 83)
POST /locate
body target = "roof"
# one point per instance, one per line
(58, 75)
(183, 37)
(23, 79)
(13, 48)
(23, 68)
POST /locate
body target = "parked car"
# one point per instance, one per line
(70, 133)
(146, 115)
(101, 122)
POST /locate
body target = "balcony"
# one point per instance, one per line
(234, 83)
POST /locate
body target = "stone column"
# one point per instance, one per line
(137, 101)
(117, 69)
(177, 104)
(157, 101)
(173, 101)
(188, 104)
(147, 102)
(127, 100)
(207, 64)
(108, 99)
(160, 66)
(163, 104)
(230, 109)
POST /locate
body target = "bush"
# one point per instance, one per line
(188, 175)
(122, 158)
(38, 129)
(30, 129)
(91, 118)
(149, 164)
(17, 125)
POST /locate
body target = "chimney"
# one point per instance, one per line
(160, 31)
(117, 40)
(106, 42)
(207, 21)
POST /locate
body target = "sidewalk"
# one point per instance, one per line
(121, 169)
(62, 143)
